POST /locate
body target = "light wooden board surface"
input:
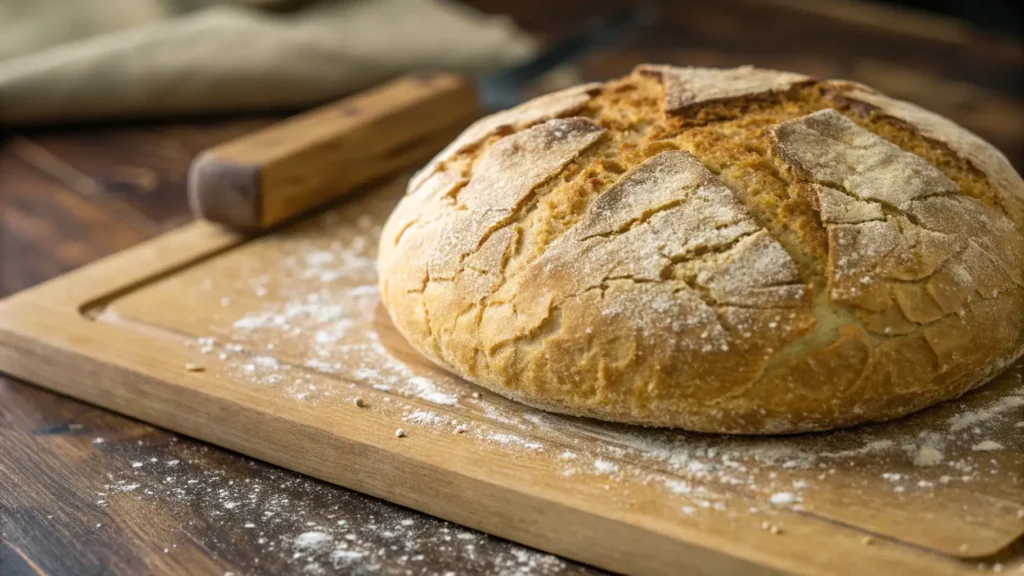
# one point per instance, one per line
(289, 331)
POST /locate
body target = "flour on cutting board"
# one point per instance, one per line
(312, 334)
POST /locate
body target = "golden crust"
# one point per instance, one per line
(737, 251)
(687, 88)
(539, 109)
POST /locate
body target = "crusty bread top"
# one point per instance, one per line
(1006, 182)
(542, 108)
(685, 88)
(737, 250)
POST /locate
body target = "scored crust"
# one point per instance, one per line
(738, 251)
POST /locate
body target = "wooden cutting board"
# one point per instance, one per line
(265, 346)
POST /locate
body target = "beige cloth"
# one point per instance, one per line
(69, 60)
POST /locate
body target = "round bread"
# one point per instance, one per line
(722, 250)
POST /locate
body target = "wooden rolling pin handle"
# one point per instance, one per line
(288, 168)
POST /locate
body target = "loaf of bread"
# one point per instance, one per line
(723, 250)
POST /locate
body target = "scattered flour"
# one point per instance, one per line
(987, 446)
(987, 414)
(427, 390)
(784, 498)
(289, 523)
(511, 440)
(928, 456)
(428, 418)
(679, 487)
(312, 540)
(341, 557)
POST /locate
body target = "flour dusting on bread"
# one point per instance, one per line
(725, 250)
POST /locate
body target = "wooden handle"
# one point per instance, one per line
(283, 170)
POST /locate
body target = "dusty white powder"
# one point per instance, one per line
(987, 446)
(927, 456)
(299, 525)
(1007, 404)
(512, 440)
(334, 325)
(679, 487)
(323, 365)
(312, 540)
(783, 498)
(427, 390)
(423, 417)
(341, 557)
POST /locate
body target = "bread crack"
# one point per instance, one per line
(638, 221)
(703, 250)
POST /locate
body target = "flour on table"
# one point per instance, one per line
(784, 498)
(427, 390)
(294, 524)
(513, 441)
(1007, 404)
(987, 446)
(927, 456)
(424, 417)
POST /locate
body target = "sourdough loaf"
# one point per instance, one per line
(724, 250)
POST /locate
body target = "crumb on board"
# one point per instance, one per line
(400, 433)
(359, 402)
(867, 540)
(193, 367)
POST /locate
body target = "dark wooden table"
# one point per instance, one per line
(84, 491)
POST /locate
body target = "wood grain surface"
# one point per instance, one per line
(142, 167)
(970, 76)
